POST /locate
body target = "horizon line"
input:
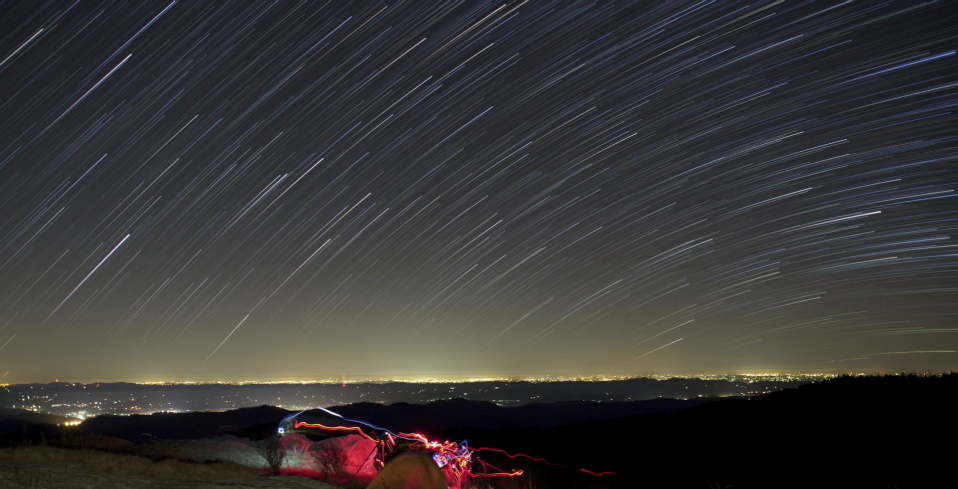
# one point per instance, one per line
(472, 379)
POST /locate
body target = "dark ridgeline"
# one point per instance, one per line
(434, 418)
(880, 432)
(844, 432)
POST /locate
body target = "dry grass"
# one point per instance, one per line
(110, 463)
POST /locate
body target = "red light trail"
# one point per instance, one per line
(454, 458)
(300, 424)
(482, 449)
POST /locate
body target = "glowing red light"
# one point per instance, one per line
(481, 449)
(300, 424)
(455, 459)
(597, 474)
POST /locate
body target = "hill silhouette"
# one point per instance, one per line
(447, 414)
(184, 425)
(891, 431)
(428, 418)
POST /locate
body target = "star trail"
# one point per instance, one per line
(277, 189)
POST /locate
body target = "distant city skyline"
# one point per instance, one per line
(745, 377)
(87, 400)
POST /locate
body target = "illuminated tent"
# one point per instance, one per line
(410, 470)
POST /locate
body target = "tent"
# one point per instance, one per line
(410, 470)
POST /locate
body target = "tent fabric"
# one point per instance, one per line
(410, 470)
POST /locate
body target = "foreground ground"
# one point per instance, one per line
(46, 467)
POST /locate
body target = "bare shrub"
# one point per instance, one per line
(331, 459)
(274, 451)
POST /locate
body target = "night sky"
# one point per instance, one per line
(256, 190)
